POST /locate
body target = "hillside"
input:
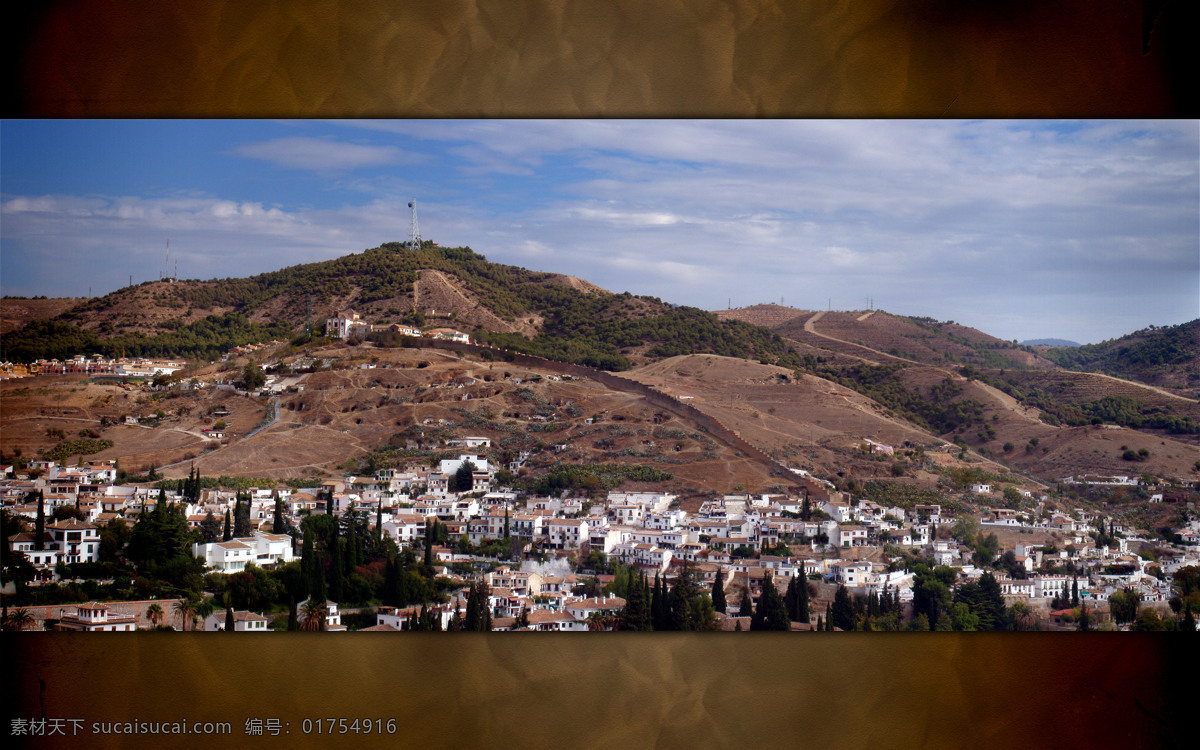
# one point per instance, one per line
(891, 337)
(1167, 356)
(16, 312)
(539, 313)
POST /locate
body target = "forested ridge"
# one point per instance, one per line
(587, 328)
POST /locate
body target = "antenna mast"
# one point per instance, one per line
(414, 239)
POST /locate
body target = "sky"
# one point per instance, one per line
(1081, 230)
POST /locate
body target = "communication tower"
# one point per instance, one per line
(414, 239)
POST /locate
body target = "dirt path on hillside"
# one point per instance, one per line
(1003, 399)
(810, 327)
(1136, 384)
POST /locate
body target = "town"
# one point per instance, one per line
(446, 547)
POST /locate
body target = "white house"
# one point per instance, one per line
(243, 622)
(95, 617)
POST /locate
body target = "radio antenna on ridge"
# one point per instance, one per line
(414, 239)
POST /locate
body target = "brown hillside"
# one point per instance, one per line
(441, 295)
(409, 396)
(881, 336)
(575, 282)
(150, 308)
(808, 423)
(15, 313)
(768, 315)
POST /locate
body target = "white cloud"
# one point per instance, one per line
(321, 154)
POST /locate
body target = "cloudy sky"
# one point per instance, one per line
(1024, 229)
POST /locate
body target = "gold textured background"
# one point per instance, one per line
(806, 58)
(367, 58)
(828, 690)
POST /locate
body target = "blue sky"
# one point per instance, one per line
(1083, 230)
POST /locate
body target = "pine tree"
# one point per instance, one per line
(718, 593)
(210, 528)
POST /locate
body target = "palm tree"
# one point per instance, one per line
(186, 609)
(312, 615)
(155, 614)
(19, 619)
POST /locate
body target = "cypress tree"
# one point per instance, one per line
(429, 532)
(277, 525)
(718, 593)
(39, 542)
(842, 611)
(228, 534)
(802, 599)
(1074, 591)
(379, 526)
(472, 621)
(229, 623)
(659, 608)
(337, 553)
(485, 620)
(746, 608)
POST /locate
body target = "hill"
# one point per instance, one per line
(1166, 356)
(16, 312)
(535, 312)
(877, 335)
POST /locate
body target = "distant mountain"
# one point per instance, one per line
(1048, 342)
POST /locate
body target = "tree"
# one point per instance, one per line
(771, 613)
(227, 534)
(241, 516)
(19, 619)
(1124, 605)
(155, 614)
(746, 606)
(796, 599)
(186, 610)
(718, 593)
(636, 615)
(463, 480)
(1022, 617)
(253, 377)
(842, 614)
(210, 528)
(278, 524)
(312, 615)
(39, 539)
